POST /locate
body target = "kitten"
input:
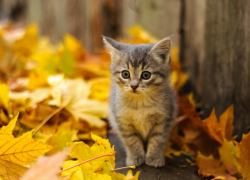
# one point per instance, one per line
(142, 103)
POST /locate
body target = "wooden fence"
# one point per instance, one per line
(214, 39)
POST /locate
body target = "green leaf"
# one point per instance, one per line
(67, 62)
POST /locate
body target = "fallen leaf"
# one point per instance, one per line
(4, 96)
(226, 123)
(67, 62)
(209, 166)
(213, 127)
(106, 164)
(26, 45)
(38, 80)
(76, 94)
(85, 171)
(83, 152)
(99, 89)
(22, 150)
(11, 171)
(130, 176)
(228, 152)
(170, 152)
(139, 33)
(74, 47)
(63, 136)
(244, 156)
(197, 136)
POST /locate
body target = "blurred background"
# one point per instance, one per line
(213, 38)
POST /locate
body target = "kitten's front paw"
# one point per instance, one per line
(137, 161)
(156, 161)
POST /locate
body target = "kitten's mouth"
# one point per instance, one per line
(134, 91)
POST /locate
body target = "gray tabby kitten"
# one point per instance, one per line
(142, 103)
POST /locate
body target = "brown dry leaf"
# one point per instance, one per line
(244, 156)
(196, 133)
(209, 166)
(208, 135)
(46, 168)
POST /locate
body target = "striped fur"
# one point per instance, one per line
(142, 118)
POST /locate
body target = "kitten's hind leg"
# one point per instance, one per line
(156, 147)
(133, 144)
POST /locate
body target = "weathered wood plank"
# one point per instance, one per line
(226, 68)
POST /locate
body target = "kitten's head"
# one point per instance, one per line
(139, 69)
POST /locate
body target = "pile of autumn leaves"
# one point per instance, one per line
(51, 97)
(60, 93)
(211, 142)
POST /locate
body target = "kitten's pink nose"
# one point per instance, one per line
(134, 87)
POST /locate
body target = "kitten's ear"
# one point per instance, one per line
(112, 46)
(161, 50)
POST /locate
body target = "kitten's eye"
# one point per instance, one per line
(145, 75)
(125, 74)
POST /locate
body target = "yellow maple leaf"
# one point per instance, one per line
(38, 80)
(170, 152)
(244, 156)
(4, 96)
(139, 33)
(11, 171)
(83, 172)
(83, 152)
(22, 150)
(100, 89)
(76, 100)
(228, 152)
(63, 136)
(26, 46)
(74, 46)
(130, 176)
(47, 62)
(6, 131)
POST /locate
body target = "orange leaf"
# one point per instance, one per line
(198, 137)
(214, 127)
(226, 123)
(244, 156)
(208, 166)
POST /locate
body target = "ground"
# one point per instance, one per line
(170, 171)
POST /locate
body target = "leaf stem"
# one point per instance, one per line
(46, 119)
(99, 169)
(132, 167)
(110, 154)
